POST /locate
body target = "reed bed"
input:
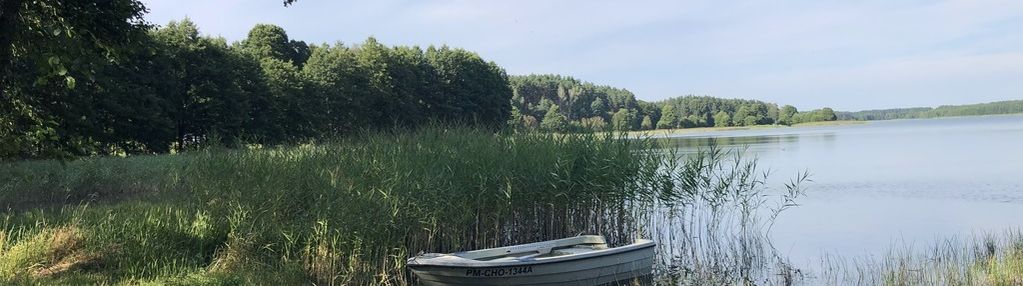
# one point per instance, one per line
(351, 211)
(716, 231)
(981, 259)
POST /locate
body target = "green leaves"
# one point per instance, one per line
(722, 119)
(823, 114)
(622, 120)
(44, 62)
(70, 81)
(271, 41)
(554, 121)
(584, 106)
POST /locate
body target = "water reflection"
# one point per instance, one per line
(693, 143)
(909, 181)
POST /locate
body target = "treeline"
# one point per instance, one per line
(84, 78)
(991, 108)
(705, 111)
(170, 88)
(559, 103)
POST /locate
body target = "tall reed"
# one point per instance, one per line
(980, 259)
(351, 211)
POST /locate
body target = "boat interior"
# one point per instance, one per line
(560, 247)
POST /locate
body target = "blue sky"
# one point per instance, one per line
(849, 55)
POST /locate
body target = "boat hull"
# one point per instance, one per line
(596, 270)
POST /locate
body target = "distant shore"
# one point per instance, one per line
(698, 130)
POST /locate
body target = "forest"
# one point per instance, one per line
(82, 79)
(152, 90)
(560, 103)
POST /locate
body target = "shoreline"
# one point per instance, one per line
(708, 130)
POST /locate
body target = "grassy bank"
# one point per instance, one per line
(344, 212)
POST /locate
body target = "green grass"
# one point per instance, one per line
(49, 183)
(350, 212)
(1003, 269)
(343, 212)
(992, 259)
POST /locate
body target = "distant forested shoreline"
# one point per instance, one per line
(72, 86)
(990, 108)
(561, 103)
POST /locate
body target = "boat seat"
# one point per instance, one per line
(573, 250)
(509, 258)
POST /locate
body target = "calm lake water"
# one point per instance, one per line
(888, 184)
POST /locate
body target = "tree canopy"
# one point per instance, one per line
(583, 105)
(85, 79)
(47, 49)
(140, 90)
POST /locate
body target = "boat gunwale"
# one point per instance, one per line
(636, 246)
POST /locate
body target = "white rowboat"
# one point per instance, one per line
(580, 260)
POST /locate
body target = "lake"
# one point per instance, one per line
(885, 184)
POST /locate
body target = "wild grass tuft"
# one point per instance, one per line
(990, 259)
(50, 252)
